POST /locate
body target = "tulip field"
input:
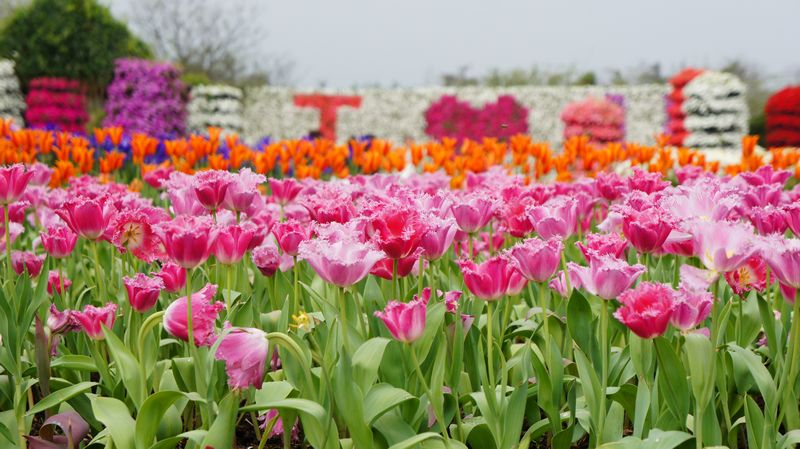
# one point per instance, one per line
(204, 293)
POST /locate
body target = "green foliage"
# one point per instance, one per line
(76, 39)
(192, 79)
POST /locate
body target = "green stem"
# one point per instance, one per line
(604, 357)
(546, 326)
(199, 366)
(343, 317)
(395, 283)
(567, 281)
(98, 272)
(698, 426)
(490, 342)
(228, 282)
(9, 269)
(789, 371)
(296, 272)
(739, 314)
(437, 410)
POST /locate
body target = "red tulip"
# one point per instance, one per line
(647, 309)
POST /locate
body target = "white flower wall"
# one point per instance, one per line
(399, 114)
(11, 102)
(215, 105)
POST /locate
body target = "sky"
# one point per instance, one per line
(345, 43)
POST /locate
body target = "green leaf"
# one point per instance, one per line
(318, 426)
(127, 366)
(658, 439)
(416, 439)
(274, 391)
(114, 414)
(761, 376)
(74, 362)
(755, 423)
(579, 323)
(220, 434)
(152, 412)
(195, 436)
(381, 398)
(614, 422)
(4, 432)
(367, 360)
(350, 403)
(57, 397)
(700, 355)
(672, 383)
(590, 386)
(514, 416)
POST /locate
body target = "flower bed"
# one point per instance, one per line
(783, 117)
(56, 103)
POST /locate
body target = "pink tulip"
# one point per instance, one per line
(27, 262)
(204, 314)
(188, 240)
(768, 219)
(40, 174)
(691, 308)
(559, 284)
(329, 204)
(647, 182)
(722, 246)
(647, 309)
(158, 176)
(512, 213)
(606, 276)
(340, 263)
(290, 234)
(61, 322)
(610, 185)
(266, 259)
(793, 217)
(211, 186)
(491, 279)
(397, 230)
(14, 231)
(231, 244)
(697, 279)
(143, 291)
(439, 237)
(87, 217)
(472, 212)
(244, 351)
(284, 191)
(13, 181)
(648, 229)
(789, 294)
(243, 190)
(133, 231)
(783, 257)
(557, 218)
(173, 276)
(92, 319)
(54, 283)
(603, 244)
(537, 260)
(405, 266)
(405, 321)
(752, 275)
(59, 241)
(766, 175)
(182, 198)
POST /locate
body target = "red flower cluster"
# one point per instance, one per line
(600, 119)
(783, 118)
(56, 102)
(450, 117)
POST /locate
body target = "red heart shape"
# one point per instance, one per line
(451, 117)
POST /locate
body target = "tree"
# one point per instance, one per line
(9, 6)
(221, 40)
(76, 39)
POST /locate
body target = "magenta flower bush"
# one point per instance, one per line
(56, 103)
(451, 117)
(146, 97)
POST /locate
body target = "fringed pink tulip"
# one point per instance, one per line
(59, 241)
(340, 263)
(783, 257)
(267, 259)
(61, 322)
(173, 276)
(691, 308)
(143, 291)
(40, 174)
(752, 275)
(87, 217)
(13, 181)
(244, 351)
(606, 276)
(211, 186)
(290, 234)
(472, 213)
(557, 218)
(204, 315)
(648, 229)
(92, 319)
(243, 190)
(647, 182)
(722, 246)
(405, 321)
(133, 231)
(231, 243)
(405, 266)
(27, 262)
(438, 238)
(491, 279)
(187, 240)
(397, 230)
(55, 283)
(611, 244)
(647, 309)
(537, 260)
(284, 191)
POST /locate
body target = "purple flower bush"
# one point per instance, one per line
(146, 97)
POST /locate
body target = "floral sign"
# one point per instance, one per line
(451, 117)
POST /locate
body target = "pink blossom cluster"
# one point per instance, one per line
(451, 117)
(600, 119)
(56, 102)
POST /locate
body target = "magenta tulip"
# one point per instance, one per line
(340, 263)
(143, 291)
(55, 283)
(489, 280)
(557, 218)
(266, 259)
(783, 257)
(244, 351)
(92, 319)
(397, 230)
(284, 191)
(27, 262)
(204, 315)
(231, 243)
(647, 309)
(13, 181)
(243, 190)
(87, 217)
(537, 260)
(290, 234)
(59, 241)
(188, 240)
(173, 276)
(472, 213)
(405, 321)
(691, 308)
(611, 244)
(648, 229)
(211, 186)
(606, 276)
(438, 238)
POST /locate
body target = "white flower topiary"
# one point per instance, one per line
(215, 105)
(12, 103)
